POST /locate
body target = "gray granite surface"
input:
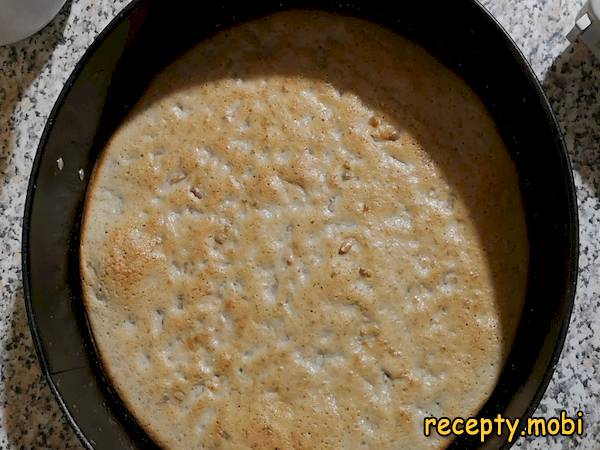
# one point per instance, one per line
(32, 73)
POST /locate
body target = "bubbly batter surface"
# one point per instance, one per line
(307, 234)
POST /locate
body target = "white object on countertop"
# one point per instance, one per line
(587, 27)
(22, 18)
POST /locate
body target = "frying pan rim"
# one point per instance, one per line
(31, 188)
(573, 267)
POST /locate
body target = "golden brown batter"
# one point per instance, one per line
(308, 234)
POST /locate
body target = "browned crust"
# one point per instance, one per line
(111, 376)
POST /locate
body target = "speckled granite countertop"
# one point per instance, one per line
(32, 74)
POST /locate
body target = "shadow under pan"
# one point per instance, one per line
(145, 37)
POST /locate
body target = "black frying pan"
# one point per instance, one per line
(149, 34)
